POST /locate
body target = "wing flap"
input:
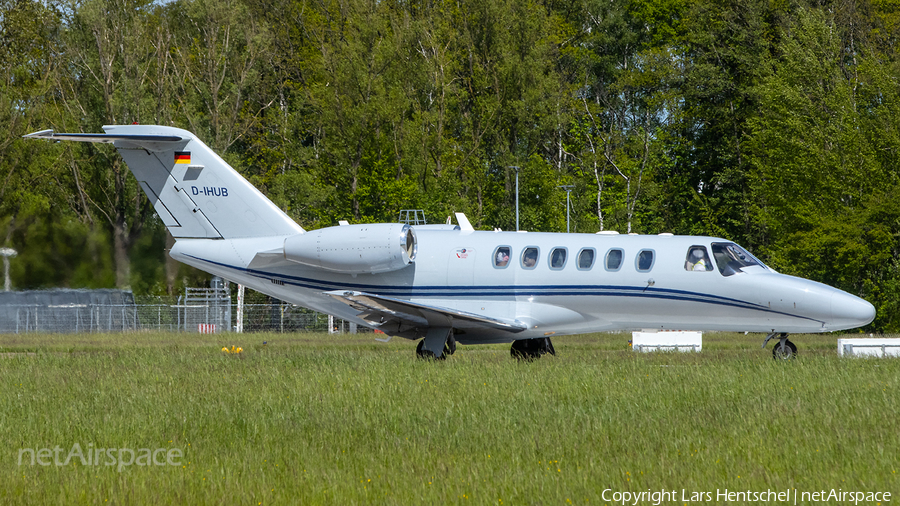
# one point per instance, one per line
(379, 310)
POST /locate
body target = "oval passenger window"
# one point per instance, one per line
(529, 258)
(614, 259)
(558, 258)
(586, 259)
(645, 260)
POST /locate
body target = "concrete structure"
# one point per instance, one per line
(667, 340)
(869, 347)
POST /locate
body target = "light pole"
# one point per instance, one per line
(517, 194)
(6, 253)
(568, 188)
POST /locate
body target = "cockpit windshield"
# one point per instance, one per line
(731, 258)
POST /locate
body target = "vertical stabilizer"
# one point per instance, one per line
(195, 193)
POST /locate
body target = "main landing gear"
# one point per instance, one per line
(784, 349)
(531, 349)
(438, 343)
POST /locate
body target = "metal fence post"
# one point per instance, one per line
(239, 323)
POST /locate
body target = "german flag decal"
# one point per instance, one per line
(182, 157)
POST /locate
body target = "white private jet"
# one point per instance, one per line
(445, 284)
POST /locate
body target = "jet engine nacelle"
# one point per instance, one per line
(354, 249)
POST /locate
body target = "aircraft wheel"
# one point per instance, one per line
(519, 350)
(787, 351)
(531, 349)
(422, 353)
(450, 345)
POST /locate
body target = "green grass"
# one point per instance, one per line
(318, 419)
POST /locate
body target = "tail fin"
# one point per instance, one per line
(194, 192)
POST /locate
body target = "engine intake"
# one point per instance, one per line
(354, 249)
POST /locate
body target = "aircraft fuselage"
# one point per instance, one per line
(459, 270)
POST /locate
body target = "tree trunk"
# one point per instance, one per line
(171, 265)
(120, 253)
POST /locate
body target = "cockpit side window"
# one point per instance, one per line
(501, 257)
(731, 258)
(697, 259)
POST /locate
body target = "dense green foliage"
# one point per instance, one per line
(774, 124)
(321, 419)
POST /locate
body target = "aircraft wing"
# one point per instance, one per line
(380, 311)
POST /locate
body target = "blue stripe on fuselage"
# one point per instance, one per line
(509, 290)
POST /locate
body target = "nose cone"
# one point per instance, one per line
(849, 311)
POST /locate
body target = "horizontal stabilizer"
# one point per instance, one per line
(378, 310)
(105, 138)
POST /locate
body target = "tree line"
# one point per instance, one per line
(773, 124)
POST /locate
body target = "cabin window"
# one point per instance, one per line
(645, 260)
(529, 257)
(586, 259)
(558, 258)
(731, 258)
(501, 257)
(614, 259)
(697, 259)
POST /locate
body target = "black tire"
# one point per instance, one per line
(519, 350)
(422, 353)
(450, 345)
(550, 349)
(530, 349)
(786, 352)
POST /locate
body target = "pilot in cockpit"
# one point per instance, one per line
(697, 260)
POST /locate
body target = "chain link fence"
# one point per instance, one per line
(284, 317)
(199, 310)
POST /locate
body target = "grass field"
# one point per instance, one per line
(318, 419)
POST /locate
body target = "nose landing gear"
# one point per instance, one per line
(784, 349)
